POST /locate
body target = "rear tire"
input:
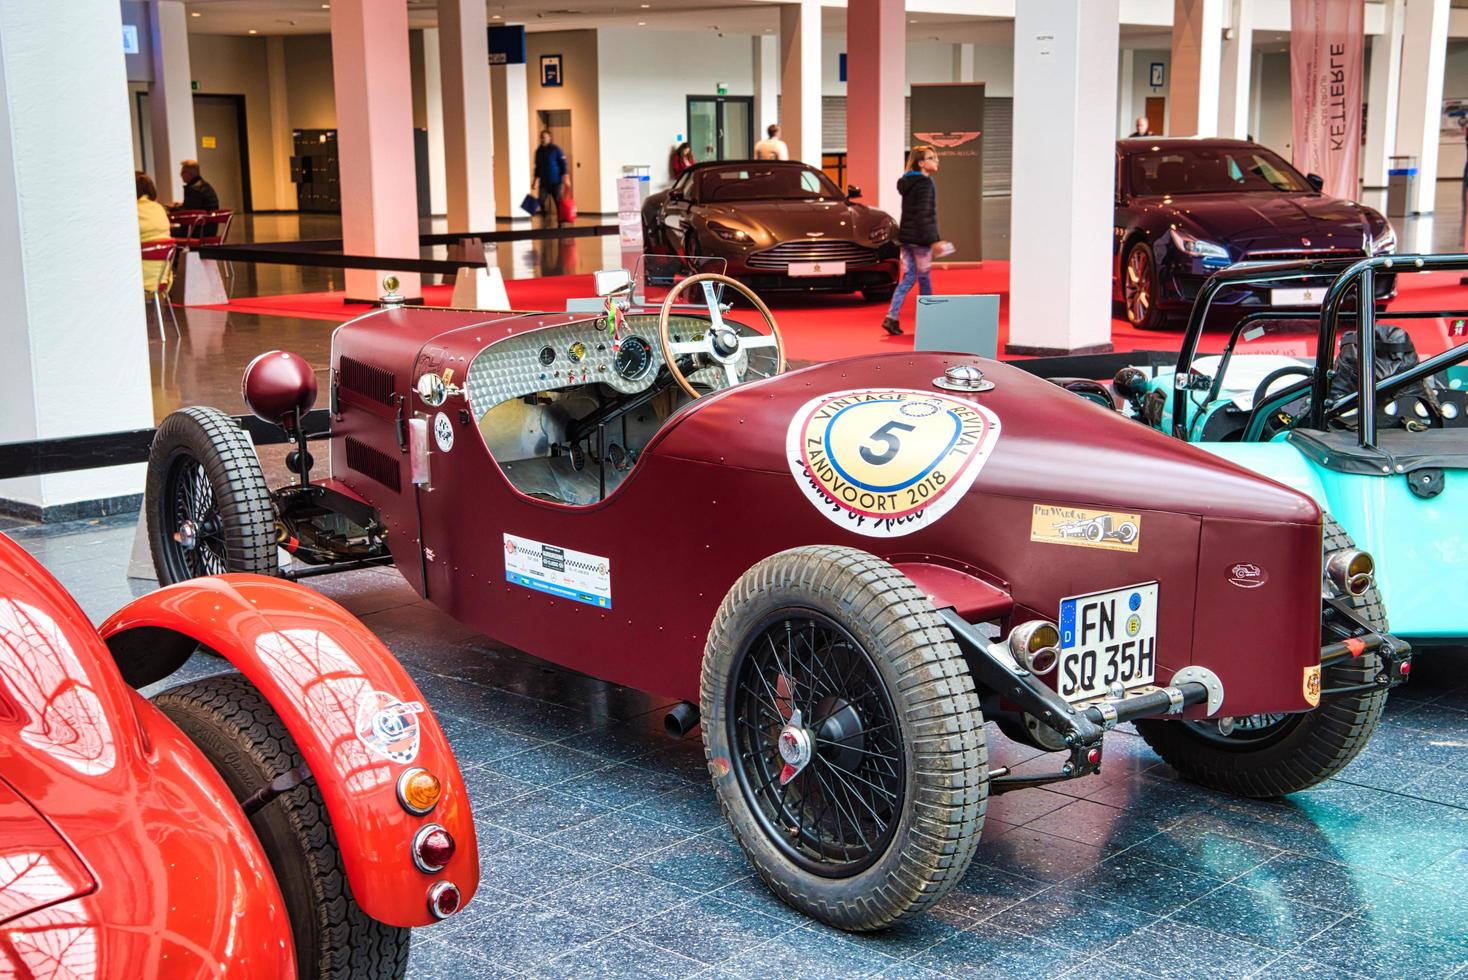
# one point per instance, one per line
(209, 508)
(1285, 753)
(896, 737)
(242, 737)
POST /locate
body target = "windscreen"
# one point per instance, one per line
(756, 182)
(1213, 170)
(656, 275)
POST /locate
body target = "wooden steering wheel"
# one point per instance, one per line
(721, 344)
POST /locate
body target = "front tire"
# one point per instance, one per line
(836, 654)
(243, 738)
(1139, 288)
(209, 508)
(1274, 755)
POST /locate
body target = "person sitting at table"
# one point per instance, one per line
(153, 225)
(198, 195)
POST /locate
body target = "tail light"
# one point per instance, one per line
(1034, 645)
(444, 899)
(1352, 572)
(433, 848)
(418, 791)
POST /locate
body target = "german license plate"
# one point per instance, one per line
(1107, 638)
(1308, 296)
(817, 269)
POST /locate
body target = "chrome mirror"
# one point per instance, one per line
(432, 389)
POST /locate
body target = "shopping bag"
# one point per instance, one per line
(568, 210)
(531, 204)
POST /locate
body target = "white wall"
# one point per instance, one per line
(1275, 127)
(1142, 89)
(928, 62)
(1455, 86)
(644, 80)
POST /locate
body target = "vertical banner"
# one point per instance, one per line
(1327, 59)
(950, 119)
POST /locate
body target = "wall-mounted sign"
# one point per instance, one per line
(550, 71)
(129, 38)
(842, 75)
(208, 143)
(1158, 76)
(507, 45)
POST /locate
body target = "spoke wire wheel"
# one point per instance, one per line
(208, 507)
(1139, 287)
(1276, 754)
(840, 650)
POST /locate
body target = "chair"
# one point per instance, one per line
(163, 250)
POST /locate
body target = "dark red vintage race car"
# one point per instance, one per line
(294, 819)
(842, 570)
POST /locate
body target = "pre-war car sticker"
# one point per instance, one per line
(1108, 529)
(564, 572)
(443, 432)
(388, 726)
(885, 462)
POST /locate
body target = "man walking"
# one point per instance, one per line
(552, 179)
(772, 147)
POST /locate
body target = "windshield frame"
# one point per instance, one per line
(1131, 159)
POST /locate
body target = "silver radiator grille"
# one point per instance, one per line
(812, 251)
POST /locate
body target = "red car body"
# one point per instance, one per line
(122, 851)
(713, 493)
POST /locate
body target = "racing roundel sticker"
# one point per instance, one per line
(388, 726)
(443, 432)
(885, 462)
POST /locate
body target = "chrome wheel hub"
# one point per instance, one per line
(795, 746)
(187, 535)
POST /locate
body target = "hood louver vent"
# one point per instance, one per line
(373, 383)
(373, 464)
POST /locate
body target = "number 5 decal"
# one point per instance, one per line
(886, 435)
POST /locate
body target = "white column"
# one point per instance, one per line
(963, 63)
(1065, 57)
(1256, 93)
(1126, 83)
(433, 97)
(510, 105)
(1424, 50)
(1381, 97)
(1197, 37)
(766, 82)
(800, 79)
(282, 137)
(1238, 58)
(468, 139)
(75, 346)
(170, 97)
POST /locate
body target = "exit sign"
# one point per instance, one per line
(723, 89)
(194, 85)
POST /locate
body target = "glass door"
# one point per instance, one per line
(720, 127)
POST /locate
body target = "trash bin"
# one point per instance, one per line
(1401, 185)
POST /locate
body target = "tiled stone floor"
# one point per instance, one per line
(604, 853)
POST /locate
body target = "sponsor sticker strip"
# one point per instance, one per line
(563, 572)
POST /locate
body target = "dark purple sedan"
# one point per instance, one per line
(1186, 208)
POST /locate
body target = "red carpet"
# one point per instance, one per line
(820, 327)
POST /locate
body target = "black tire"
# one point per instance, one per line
(879, 294)
(1139, 288)
(242, 737)
(880, 631)
(1284, 754)
(202, 470)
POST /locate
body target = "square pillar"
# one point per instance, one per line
(963, 63)
(374, 128)
(876, 72)
(1383, 86)
(1126, 116)
(1424, 51)
(1234, 81)
(170, 97)
(1065, 165)
(510, 106)
(438, 200)
(74, 341)
(800, 79)
(468, 139)
(282, 137)
(1197, 34)
(766, 82)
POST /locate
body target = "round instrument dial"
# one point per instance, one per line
(547, 355)
(576, 352)
(634, 358)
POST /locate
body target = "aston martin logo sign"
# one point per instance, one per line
(946, 140)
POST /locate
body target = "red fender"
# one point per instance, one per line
(356, 715)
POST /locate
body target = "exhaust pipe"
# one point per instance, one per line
(680, 719)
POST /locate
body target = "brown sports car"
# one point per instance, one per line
(780, 226)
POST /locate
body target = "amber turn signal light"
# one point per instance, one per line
(418, 791)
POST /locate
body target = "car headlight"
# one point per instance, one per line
(882, 232)
(729, 234)
(1386, 242)
(1210, 253)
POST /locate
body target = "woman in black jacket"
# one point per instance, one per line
(918, 230)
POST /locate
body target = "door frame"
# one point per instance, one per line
(247, 202)
(720, 100)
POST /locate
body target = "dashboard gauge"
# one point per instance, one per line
(634, 358)
(576, 352)
(547, 355)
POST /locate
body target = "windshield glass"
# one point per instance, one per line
(1261, 349)
(1213, 170)
(752, 182)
